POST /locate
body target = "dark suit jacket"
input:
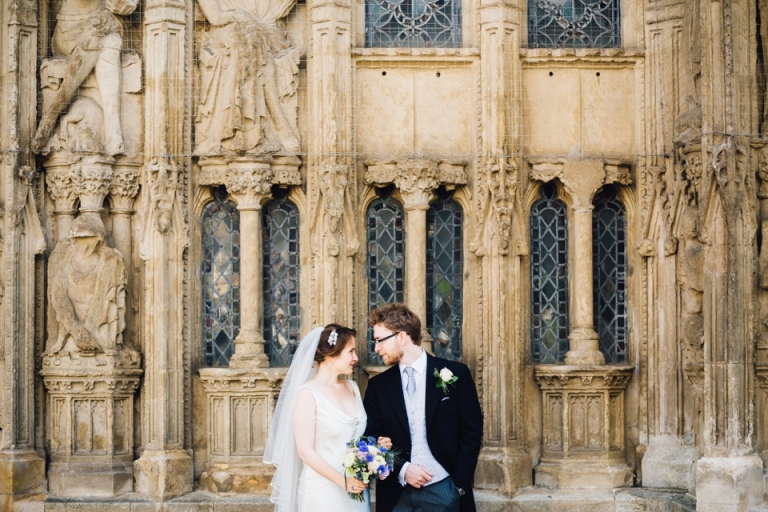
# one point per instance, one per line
(454, 427)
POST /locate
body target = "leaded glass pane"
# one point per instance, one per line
(221, 278)
(609, 267)
(413, 23)
(574, 24)
(386, 259)
(444, 277)
(549, 278)
(280, 239)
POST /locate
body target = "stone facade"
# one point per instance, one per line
(122, 121)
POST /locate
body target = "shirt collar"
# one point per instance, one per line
(420, 364)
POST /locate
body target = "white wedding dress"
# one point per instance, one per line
(333, 430)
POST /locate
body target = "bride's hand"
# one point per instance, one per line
(385, 442)
(355, 486)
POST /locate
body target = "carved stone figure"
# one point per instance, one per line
(86, 292)
(691, 275)
(88, 36)
(248, 72)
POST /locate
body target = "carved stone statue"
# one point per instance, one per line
(248, 73)
(691, 275)
(86, 282)
(88, 36)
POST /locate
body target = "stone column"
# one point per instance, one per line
(58, 180)
(331, 181)
(22, 470)
(417, 179)
(249, 185)
(582, 178)
(729, 476)
(164, 470)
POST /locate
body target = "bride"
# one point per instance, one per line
(317, 413)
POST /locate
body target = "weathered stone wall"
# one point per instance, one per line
(112, 141)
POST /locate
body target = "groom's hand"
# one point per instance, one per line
(385, 442)
(417, 476)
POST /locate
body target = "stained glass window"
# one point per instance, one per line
(386, 259)
(549, 277)
(609, 266)
(574, 24)
(413, 23)
(221, 278)
(280, 238)
(444, 277)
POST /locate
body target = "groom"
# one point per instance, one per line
(436, 423)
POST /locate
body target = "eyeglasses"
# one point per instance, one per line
(385, 338)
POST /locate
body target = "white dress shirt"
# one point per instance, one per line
(415, 407)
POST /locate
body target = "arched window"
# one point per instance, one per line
(280, 235)
(445, 236)
(609, 267)
(386, 258)
(549, 277)
(221, 278)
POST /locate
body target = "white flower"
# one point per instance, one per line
(446, 375)
(349, 460)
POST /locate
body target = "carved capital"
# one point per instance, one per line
(249, 185)
(646, 248)
(416, 179)
(61, 188)
(124, 188)
(582, 178)
(692, 163)
(92, 177)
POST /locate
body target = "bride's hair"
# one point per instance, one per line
(325, 349)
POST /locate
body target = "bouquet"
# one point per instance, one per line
(366, 459)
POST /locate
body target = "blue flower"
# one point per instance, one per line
(371, 440)
(362, 446)
(369, 458)
(383, 450)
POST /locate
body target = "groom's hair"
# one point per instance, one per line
(396, 316)
(325, 349)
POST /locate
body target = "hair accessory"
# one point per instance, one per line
(332, 338)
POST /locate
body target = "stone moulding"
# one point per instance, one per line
(240, 403)
(583, 426)
(90, 426)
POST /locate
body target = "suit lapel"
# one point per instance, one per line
(395, 384)
(431, 394)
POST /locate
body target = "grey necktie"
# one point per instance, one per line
(410, 386)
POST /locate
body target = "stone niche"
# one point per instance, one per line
(240, 403)
(583, 427)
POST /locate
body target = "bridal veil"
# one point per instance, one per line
(281, 444)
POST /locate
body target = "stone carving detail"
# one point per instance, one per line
(497, 188)
(583, 438)
(87, 54)
(240, 405)
(91, 177)
(691, 282)
(163, 178)
(338, 205)
(61, 189)
(87, 296)
(249, 79)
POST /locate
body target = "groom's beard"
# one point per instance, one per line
(392, 358)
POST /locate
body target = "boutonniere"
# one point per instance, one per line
(445, 378)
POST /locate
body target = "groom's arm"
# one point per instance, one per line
(470, 433)
(371, 404)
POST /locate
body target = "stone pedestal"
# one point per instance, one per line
(240, 404)
(583, 427)
(728, 484)
(90, 425)
(503, 470)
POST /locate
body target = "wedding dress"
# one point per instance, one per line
(333, 430)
